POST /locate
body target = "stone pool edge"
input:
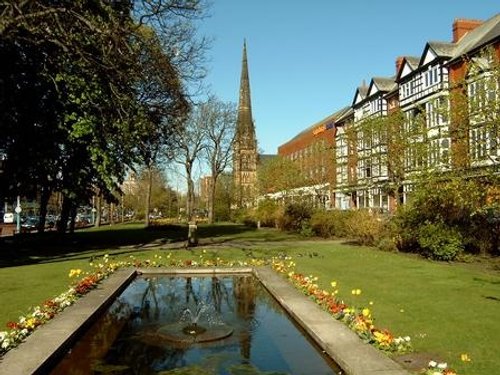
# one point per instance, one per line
(338, 341)
(333, 337)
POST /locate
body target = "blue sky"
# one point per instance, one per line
(306, 58)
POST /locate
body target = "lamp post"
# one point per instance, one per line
(18, 214)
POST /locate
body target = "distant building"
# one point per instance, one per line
(205, 183)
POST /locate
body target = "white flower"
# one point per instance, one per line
(442, 365)
(432, 364)
(3, 335)
(5, 343)
(407, 338)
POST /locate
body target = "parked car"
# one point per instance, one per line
(31, 222)
(8, 218)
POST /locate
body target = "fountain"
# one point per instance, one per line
(189, 330)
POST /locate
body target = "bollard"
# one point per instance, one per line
(192, 234)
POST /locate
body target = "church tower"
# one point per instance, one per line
(245, 144)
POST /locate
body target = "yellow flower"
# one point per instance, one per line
(333, 284)
(75, 272)
(366, 312)
(370, 303)
(30, 323)
(465, 357)
(356, 292)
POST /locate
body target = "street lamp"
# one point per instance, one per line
(18, 214)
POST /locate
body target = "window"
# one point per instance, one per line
(432, 76)
(478, 144)
(436, 112)
(482, 93)
(413, 119)
(483, 143)
(375, 105)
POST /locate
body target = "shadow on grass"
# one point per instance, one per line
(32, 248)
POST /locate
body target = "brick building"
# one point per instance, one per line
(312, 150)
(398, 126)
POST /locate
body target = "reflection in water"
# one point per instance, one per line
(148, 331)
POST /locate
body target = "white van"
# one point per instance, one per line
(8, 218)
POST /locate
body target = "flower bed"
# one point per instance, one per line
(358, 319)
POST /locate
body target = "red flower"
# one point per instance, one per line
(12, 325)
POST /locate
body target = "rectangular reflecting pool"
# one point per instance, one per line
(224, 324)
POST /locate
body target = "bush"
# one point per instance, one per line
(439, 242)
(245, 216)
(268, 213)
(329, 224)
(468, 208)
(365, 227)
(296, 215)
(306, 230)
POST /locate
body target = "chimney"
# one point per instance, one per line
(462, 27)
(399, 62)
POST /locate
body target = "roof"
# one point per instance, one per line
(264, 158)
(349, 111)
(384, 83)
(329, 119)
(479, 37)
(412, 61)
(442, 49)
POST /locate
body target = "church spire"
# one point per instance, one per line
(244, 124)
(244, 145)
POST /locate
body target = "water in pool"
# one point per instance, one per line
(228, 325)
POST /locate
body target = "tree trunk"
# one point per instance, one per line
(190, 199)
(44, 201)
(148, 197)
(62, 224)
(211, 200)
(72, 216)
(98, 209)
(111, 213)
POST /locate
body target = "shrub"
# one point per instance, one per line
(365, 227)
(296, 215)
(387, 244)
(439, 242)
(306, 230)
(328, 224)
(245, 216)
(268, 212)
(468, 207)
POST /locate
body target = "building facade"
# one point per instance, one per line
(311, 150)
(439, 112)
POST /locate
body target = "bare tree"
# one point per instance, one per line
(188, 144)
(219, 125)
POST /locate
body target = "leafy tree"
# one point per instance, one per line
(279, 175)
(82, 63)
(162, 107)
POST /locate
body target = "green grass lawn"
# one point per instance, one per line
(447, 309)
